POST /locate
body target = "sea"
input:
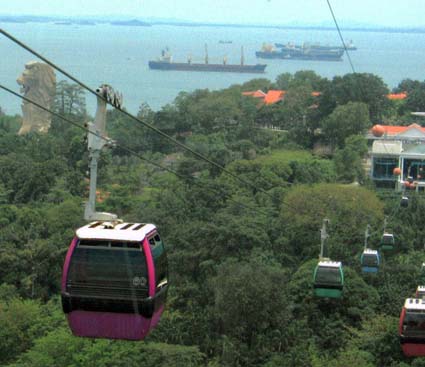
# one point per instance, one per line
(119, 55)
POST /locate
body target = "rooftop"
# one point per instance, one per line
(413, 131)
(330, 264)
(414, 304)
(272, 96)
(397, 96)
(101, 230)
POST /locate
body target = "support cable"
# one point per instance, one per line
(128, 150)
(144, 123)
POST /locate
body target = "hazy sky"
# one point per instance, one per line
(399, 13)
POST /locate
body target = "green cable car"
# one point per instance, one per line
(387, 241)
(328, 279)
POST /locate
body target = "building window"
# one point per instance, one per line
(383, 168)
(415, 169)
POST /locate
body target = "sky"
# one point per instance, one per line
(394, 13)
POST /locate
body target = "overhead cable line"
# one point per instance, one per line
(348, 53)
(144, 123)
(397, 206)
(128, 150)
(340, 36)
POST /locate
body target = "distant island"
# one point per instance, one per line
(132, 23)
(122, 21)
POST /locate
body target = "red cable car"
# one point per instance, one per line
(420, 292)
(412, 327)
(114, 281)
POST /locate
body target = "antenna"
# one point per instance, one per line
(242, 56)
(95, 143)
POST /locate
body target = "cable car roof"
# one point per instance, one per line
(330, 264)
(415, 304)
(370, 251)
(101, 230)
(421, 288)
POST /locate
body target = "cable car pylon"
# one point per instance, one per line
(95, 144)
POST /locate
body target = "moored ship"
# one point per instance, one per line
(349, 46)
(166, 62)
(300, 53)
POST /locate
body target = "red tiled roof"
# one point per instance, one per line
(274, 96)
(397, 96)
(395, 130)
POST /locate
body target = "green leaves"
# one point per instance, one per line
(345, 120)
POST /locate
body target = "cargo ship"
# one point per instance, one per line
(350, 46)
(166, 62)
(300, 53)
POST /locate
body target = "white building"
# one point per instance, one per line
(400, 146)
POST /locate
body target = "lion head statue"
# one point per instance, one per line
(38, 83)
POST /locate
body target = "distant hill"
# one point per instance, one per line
(130, 21)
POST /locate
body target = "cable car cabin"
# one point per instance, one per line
(328, 279)
(412, 327)
(370, 261)
(404, 202)
(114, 281)
(420, 292)
(387, 241)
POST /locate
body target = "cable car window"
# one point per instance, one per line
(414, 324)
(370, 260)
(96, 268)
(109, 244)
(328, 275)
(160, 259)
(126, 245)
(157, 240)
(151, 242)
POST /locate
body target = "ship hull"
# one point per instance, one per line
(180, 66)
(315, 56)
(350, 47)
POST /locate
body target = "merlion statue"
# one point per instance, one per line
(38, 83)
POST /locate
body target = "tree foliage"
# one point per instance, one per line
(241, 252)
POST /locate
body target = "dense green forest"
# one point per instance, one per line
(241, 260)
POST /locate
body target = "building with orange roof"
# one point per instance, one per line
(272, 96)
(397, 96)
(400, 147)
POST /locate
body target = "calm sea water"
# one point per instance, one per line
(119, 55)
